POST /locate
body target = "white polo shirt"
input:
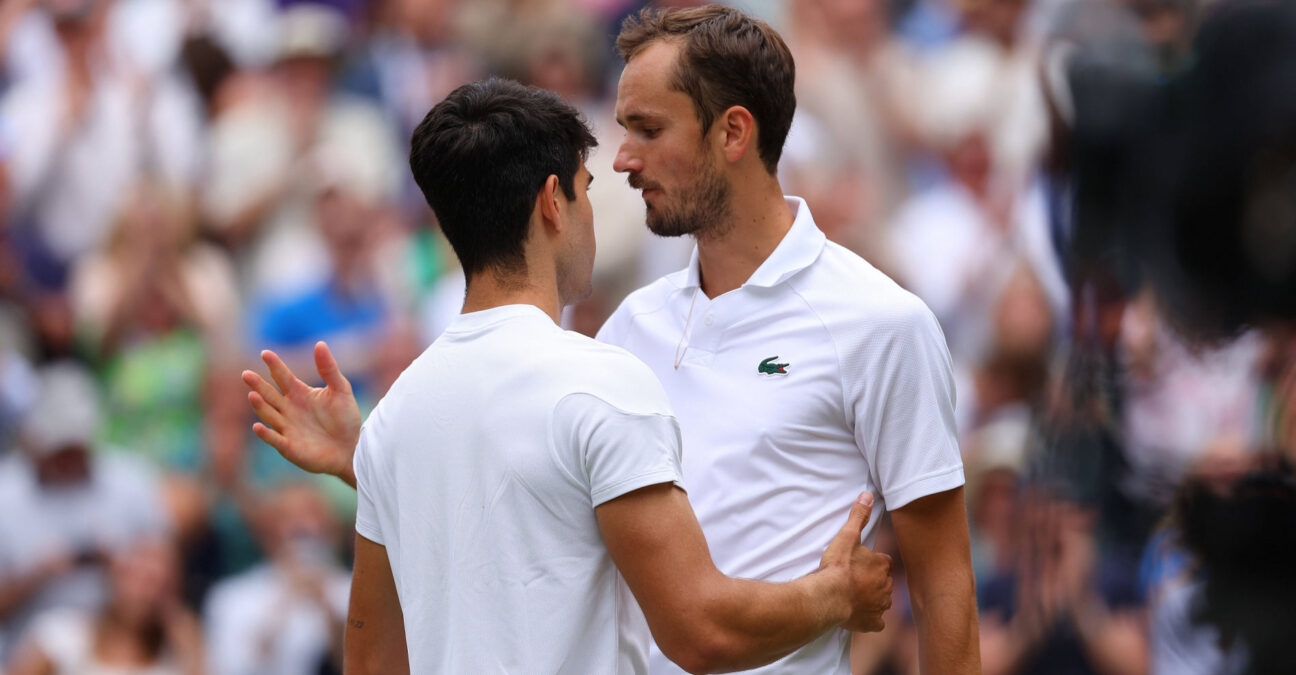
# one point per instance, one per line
(480, 472)
(817, 379)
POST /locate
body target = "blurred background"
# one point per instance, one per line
(1097, 198)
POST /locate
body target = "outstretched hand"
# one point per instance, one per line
(315, 428)
(869, 572)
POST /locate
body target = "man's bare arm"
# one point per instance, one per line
(707, 622)
(316, 428)
(935, 545)
(375, 630)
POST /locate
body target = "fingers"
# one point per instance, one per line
(268, 413)
(328, 369)
(279, 370)
(267, 391)
(272, 438)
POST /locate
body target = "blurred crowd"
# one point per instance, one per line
(186, 182)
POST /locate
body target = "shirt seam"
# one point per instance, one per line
(553, 441)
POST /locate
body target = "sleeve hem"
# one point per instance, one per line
(633, 483)
(929, 484)
(369, 531)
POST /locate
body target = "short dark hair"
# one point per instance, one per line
(481, 155)
(728, 59)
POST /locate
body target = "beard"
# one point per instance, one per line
(700, 209)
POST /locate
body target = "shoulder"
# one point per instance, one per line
(610, 373)
(852, 297)
(642, 304)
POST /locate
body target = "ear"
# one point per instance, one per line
(551, 214)
(738, 132)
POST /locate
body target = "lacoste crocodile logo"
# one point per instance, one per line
(768, 367)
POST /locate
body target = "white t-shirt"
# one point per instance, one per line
(120, 504)
(479, 472)
(66, 637)
(774, 460)
(260, 622)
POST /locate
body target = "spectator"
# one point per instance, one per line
(157, 299)
(1064, 608)
(269, 139)
(1180, 641)
(284, 616)
(349, 308)
(856, 81)
(67, 505)
(1181, 401)
(144, 628)
(90, 128)
(960, 242)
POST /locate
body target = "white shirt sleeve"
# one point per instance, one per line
(614, 451)
(901, 389)
(367, 521)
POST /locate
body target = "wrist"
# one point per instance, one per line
(347, 473)
(828, 591)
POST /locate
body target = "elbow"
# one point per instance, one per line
(702, 653)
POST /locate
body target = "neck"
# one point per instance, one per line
(119, 644)
(759, 219)
(489, 289)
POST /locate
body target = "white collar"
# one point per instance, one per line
(799, 248)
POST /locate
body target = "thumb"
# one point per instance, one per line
(328, 369)
(859, 516)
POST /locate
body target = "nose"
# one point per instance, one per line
(627, 161)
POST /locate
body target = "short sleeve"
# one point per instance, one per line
(614, 450)
(366, 508)
(904, 408)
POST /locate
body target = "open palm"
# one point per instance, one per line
(315, 428)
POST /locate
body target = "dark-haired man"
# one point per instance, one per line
(799, 373)
(519, 481)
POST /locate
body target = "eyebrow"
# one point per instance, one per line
(634, 118)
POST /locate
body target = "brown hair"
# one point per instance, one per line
(728, 59)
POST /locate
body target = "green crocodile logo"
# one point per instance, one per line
(768, 367)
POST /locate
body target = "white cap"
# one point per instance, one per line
(65, 412)
(311, 30)
(963, 90)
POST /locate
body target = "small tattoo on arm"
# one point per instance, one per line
(355, 623)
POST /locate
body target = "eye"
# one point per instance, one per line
(651, 132)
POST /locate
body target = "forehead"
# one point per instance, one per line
(645, 87)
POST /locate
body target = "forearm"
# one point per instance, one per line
(946, 618)
(745, 624)
(17, 590)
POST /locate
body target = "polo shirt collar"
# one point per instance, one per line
(475, 321)
(800, 247)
